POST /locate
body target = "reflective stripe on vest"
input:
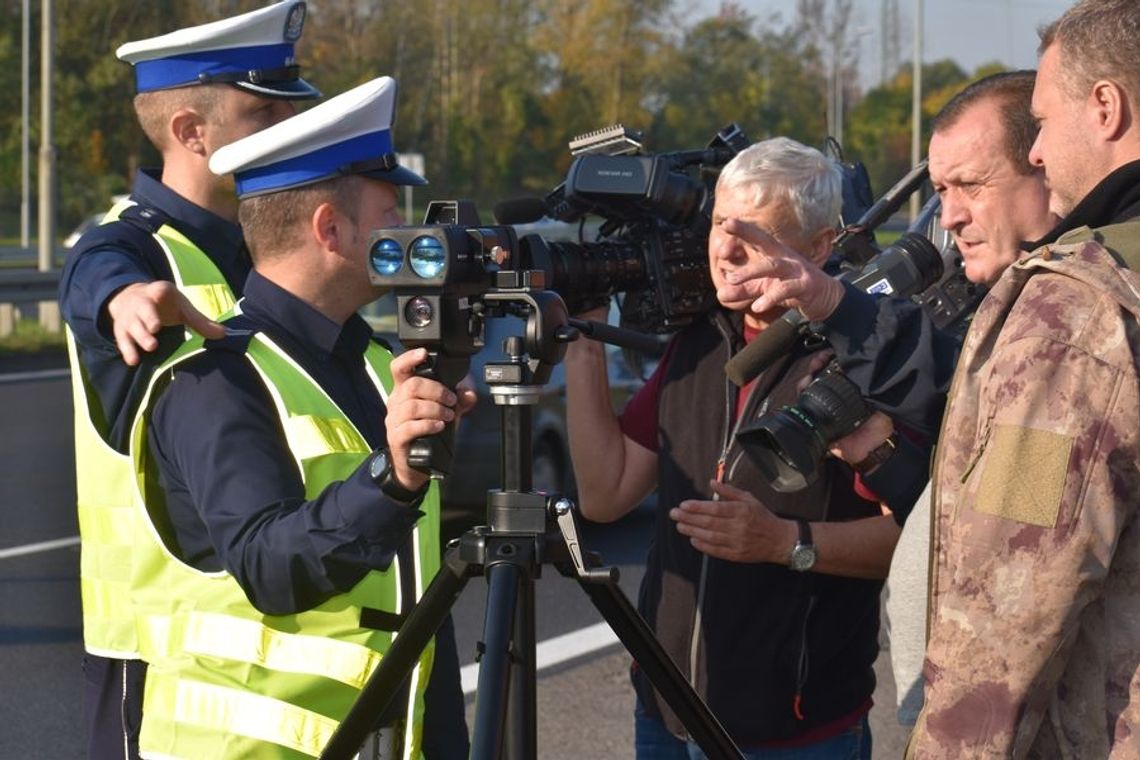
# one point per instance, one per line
(103, 477)
(225, 680)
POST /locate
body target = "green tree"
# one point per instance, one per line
(879, 131)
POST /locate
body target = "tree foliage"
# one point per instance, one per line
(490, 90)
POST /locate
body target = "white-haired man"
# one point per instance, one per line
(769, 611)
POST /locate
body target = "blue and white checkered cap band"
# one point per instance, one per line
(320, 164)
(184, 69)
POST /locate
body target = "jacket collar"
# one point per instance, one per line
(1116, 198)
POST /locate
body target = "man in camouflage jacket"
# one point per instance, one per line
(1034, 645)
(1035, 631)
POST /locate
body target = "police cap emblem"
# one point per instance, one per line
(295, 22)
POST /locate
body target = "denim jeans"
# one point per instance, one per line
(654, 742)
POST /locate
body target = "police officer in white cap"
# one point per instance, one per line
(171, 254)
(294, 534)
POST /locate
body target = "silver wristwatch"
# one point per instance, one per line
(802, 558)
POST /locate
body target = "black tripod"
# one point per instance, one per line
(525, 531)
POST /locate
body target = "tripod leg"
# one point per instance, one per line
(522, 717)
(503, 583)
(385, 682)
(639, 640)
(600, 584)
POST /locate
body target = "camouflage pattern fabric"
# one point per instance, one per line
(1034, 646)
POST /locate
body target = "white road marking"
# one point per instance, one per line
(25, 377)
(554, 651)
(548, 653)
(43, 546)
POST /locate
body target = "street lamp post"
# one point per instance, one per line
(47, 149)
(49, 310)
(916, 104)
(25, 114)
(860, 33)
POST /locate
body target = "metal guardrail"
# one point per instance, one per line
(28, 285)
(21, 282)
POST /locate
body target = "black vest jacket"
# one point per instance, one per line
(768, 637)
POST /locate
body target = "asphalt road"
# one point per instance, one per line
(584, 705)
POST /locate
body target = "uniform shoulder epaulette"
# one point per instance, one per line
(116, 234)
(145, 218)
(239, 332)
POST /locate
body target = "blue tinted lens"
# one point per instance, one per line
(428, 257)
(387, 257)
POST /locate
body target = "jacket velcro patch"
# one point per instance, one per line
(1024, 475)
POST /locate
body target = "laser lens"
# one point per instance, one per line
(428, 257)
(387, 257)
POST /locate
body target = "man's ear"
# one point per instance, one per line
(327, 228)
(188, 128)
(821, 245)
(1111, 108)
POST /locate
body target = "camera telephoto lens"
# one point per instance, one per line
(834, 403)
(788, 443)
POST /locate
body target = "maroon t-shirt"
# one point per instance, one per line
(638, 421)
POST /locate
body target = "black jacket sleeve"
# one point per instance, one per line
(891, 350)
(903, 364)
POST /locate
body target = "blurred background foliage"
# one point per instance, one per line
(490, 90)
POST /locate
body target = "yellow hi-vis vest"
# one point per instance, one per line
(225, 680)
(103, 479)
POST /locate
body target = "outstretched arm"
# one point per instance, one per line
(140, 310)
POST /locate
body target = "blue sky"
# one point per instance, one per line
(971, 32)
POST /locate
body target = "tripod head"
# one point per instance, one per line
(453, 328)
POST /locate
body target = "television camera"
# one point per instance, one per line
(453, 272)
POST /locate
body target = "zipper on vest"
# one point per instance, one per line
(802, 662)
(695, 639)
(123, 712)
(730, 428)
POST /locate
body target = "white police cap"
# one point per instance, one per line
(253, 51)
(348, 134)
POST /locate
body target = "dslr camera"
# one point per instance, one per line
(788, 444)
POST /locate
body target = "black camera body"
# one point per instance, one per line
(652, 245)
(449, 276)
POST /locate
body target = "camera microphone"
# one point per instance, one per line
(526, 210)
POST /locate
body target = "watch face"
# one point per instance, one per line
(803, 557)
(378, 466)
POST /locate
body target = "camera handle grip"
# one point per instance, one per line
(432, 454)
(775, 340)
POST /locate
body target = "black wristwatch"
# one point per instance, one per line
(383, 474)
(877, 455)
(802, 558)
